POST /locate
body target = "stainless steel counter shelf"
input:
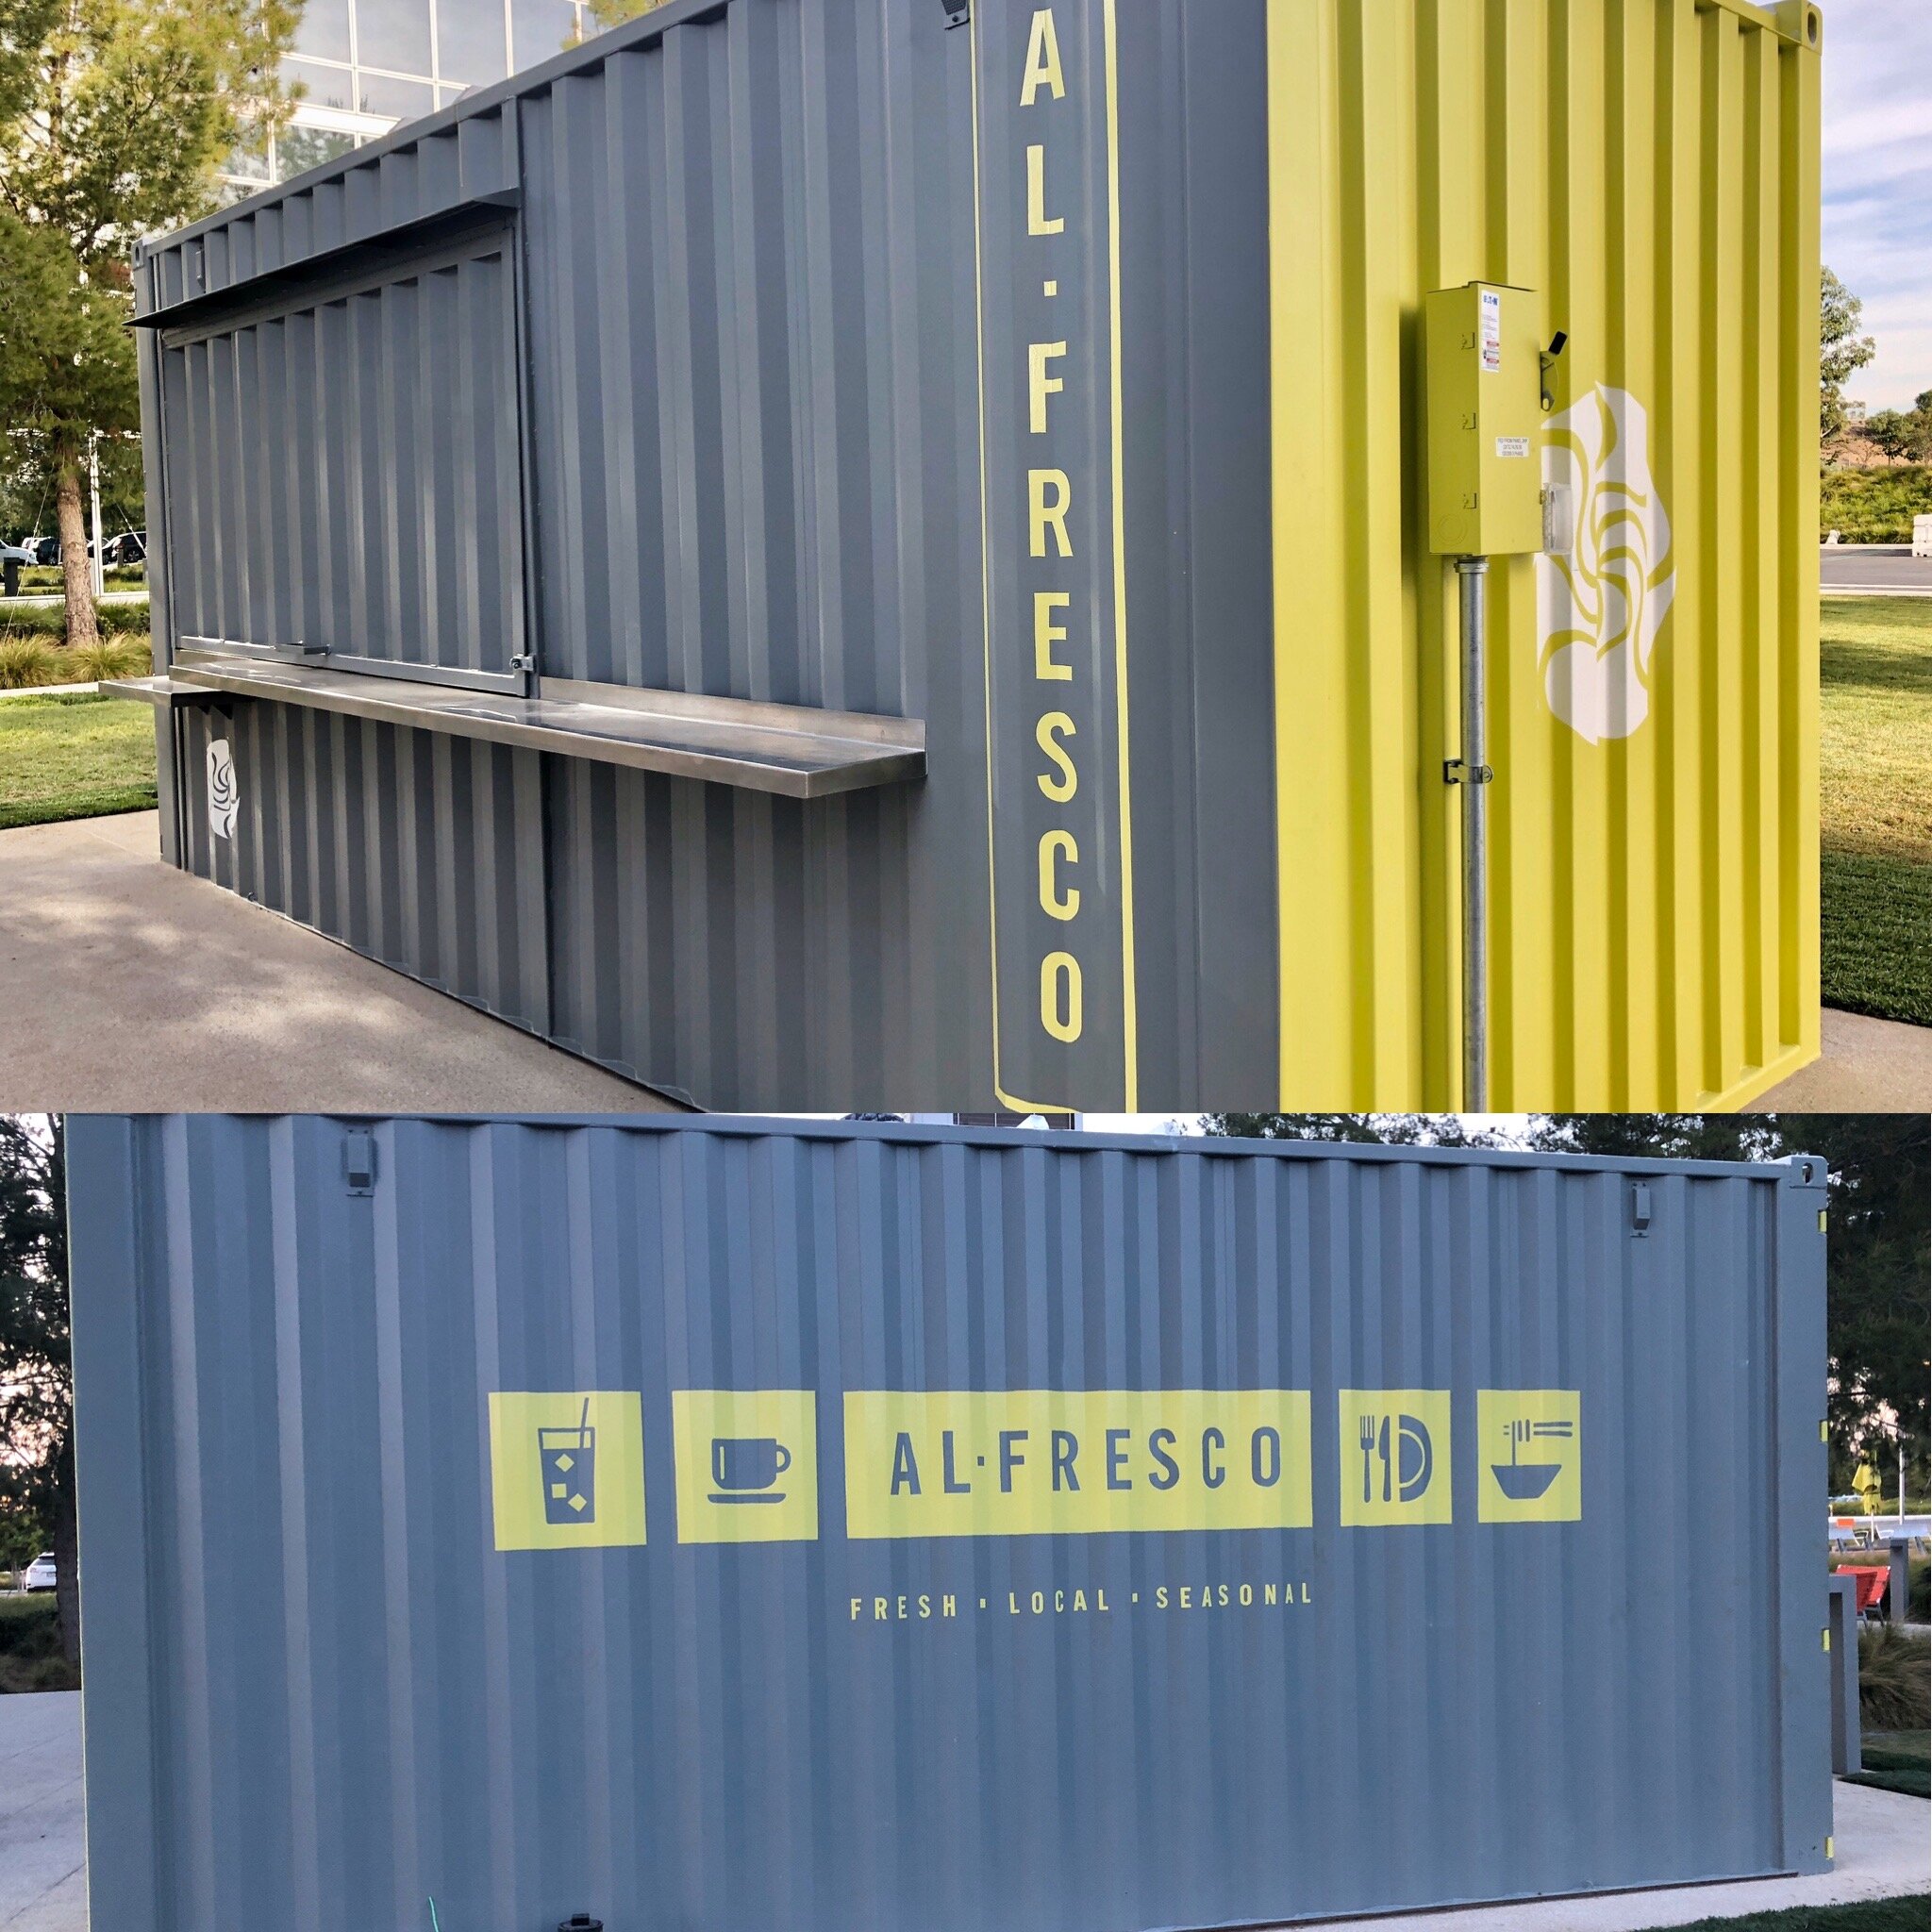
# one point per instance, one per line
(793, 750)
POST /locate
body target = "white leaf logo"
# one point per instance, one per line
(223, 794)
(1600, 607)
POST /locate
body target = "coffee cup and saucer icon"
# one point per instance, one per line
(745, 1468)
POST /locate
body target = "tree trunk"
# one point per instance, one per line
(67, 1553)
(82, 628)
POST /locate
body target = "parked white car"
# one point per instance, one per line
(40, 1573)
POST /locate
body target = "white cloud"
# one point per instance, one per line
(1876, 136)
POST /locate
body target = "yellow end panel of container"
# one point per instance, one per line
(1649, 169)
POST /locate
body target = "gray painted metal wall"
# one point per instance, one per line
(751, 328)
(421, 850)
(318, 1691)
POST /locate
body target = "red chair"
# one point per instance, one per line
(1872, 1582)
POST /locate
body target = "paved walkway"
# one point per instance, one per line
(1882, 1848)
(42, 1874)
(1868, 1066)
(1866, 570)
(129, 987)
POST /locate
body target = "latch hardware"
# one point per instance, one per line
(358, 1161)
(1455, 772)
(1546, 361)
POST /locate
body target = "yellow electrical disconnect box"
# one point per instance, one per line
(1483, 410)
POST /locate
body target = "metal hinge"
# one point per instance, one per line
(1455, 772)
(358, 1161)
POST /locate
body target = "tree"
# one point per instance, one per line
(1889, 433)
(1390, 1129)
(1841, 350)
(35, 1366)
(610, 13)
(114, 117)
(1915, 429)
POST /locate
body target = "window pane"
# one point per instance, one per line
(405, 99)
(540, 29)
(327, 87)
(246, 166)
(299, 149)
(324, 29)
(469, 41)
(393, 33)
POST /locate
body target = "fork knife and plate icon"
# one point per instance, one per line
(1407, 1455)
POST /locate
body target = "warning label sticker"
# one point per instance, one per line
(1491, 330)
(1512, 445)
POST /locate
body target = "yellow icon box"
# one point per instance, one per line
(567, 1467)
(747, 1465)
(1395, 1456)
(1529, 1455)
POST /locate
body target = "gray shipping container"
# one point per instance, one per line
(1143, 1534)
(825, 561)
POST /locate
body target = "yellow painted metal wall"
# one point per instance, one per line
(1650, 166)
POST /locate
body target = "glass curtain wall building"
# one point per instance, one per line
(366, 64)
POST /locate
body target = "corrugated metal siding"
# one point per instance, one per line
(333, 1694)
(418, 849)
(714, 942)
(346, 467)
(1650, 167)
(359, 198)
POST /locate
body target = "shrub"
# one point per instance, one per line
(30, 1655)
(1875, 506)
(26, 661)
(1895, 1679)
(121, 655)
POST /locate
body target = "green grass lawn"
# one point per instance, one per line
(1869, 1915)
(1875, 805)
(73, 756)
(1896, 1761)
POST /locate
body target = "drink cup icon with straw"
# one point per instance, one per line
(569, 1460)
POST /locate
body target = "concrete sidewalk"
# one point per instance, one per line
(126, 985)
(1868, 1066)
(42, 1873)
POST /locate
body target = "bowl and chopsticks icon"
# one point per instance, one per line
(1523, 1482)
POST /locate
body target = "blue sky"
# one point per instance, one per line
(1878, 141)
